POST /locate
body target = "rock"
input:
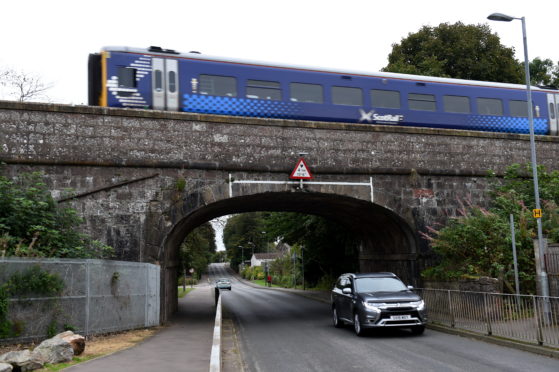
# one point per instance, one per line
(24, 360)
(64, 334)
(76, 341)
(54, 350)
(5, 367)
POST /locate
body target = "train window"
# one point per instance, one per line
(421, 102)
(216, 85)
(158, 80)
(489, 106)
(385, 98)
(551, 110)
(347, 96)
(126, 77)
(260, 89)
(311, 93)
(518, 108)
(457, 104)
(172, 81)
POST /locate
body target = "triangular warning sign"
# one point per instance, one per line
(301, 171)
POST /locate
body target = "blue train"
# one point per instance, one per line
(163, 79)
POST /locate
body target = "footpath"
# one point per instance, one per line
(183, 345)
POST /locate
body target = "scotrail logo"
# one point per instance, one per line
(372, 116)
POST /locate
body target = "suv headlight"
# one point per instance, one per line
(371, 306)
(420, 305)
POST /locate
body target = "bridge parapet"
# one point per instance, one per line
(85, 135)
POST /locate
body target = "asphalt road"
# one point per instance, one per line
(285, 332)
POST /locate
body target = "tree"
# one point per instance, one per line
(457, 50)
(32, 224)
(244, 230)
(197, 250)
(544, 72)
(23, 86)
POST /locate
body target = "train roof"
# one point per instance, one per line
(388, 75)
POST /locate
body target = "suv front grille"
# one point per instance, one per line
(386, 314)
(401, 308)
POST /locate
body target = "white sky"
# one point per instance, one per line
(218, 225)
(53, 38)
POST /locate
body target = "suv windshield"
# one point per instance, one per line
(379, 285)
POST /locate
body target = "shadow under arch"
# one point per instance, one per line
(387, 240)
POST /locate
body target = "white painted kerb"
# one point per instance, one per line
(215, 359)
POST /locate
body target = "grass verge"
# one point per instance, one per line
(183, 293)
(61, 366)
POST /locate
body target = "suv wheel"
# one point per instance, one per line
(335, 318)
(357, 325)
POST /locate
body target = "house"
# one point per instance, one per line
(259, 259)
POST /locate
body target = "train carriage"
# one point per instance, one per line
(163, 79)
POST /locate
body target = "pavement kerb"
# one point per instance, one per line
(536, 349)
(215, 357)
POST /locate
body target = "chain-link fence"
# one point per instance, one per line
(99, 296)
(520, 317)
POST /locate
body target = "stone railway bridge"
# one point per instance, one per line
(144, 179)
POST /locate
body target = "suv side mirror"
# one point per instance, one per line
(346, 290)
(410, 287)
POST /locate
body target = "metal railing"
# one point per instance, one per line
(518, 317)
(552, 262)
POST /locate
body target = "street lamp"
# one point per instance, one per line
(543, 275)
(265, 241)
(242, 256)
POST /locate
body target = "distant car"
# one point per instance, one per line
(376, 300)
(223, 283)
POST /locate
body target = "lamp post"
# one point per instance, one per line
(542, 275)
(242, 256)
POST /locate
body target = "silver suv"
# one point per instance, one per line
(374, 300)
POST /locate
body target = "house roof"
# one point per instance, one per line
(267, 256)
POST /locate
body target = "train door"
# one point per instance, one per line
(165, 84)
(552, 102)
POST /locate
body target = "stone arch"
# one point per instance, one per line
(388, 241)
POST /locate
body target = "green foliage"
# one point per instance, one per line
(33, 225)
(457, 50)
(197, 250)
(69, 327)
(253, 273)
(478, 243)
(182, 293)
(243, 236)
(220, 256)
(31, 282)
(329, 248)
(180, 184)
(51, 329)
(34, 281)
(544, 72)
